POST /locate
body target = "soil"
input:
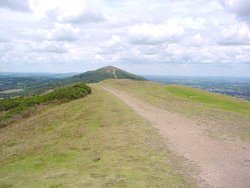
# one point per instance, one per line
(221, 163)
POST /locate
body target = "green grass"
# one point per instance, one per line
(224, 116)
(19, 105)
(96, 141)
(211, 99)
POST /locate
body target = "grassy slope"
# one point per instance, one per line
(210, 99)
(226, 117)
(21, 106)
(102, 74)
(96, 141)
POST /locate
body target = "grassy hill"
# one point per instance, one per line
(85, 143)
(16, 85)
(103, 74)
(98, 141)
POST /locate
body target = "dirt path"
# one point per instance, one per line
(221, 163)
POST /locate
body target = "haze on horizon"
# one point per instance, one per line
(160, 37)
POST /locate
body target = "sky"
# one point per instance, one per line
(155, 37)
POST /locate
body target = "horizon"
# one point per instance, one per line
(125, 93)
(198, 38)
(156, 75)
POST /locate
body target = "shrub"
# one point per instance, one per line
(21, 104)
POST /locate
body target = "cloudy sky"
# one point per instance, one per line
(173, 37)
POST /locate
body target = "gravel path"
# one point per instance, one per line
(221, 163)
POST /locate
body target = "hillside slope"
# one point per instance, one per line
(103, 74)
(25, 106)
(208, 133)
(129, 134)
(225, 116)
(85, 143)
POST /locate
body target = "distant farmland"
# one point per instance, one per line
(8, 91)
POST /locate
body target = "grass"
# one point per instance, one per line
(96, 141)
(225, 117)
(211, 99)
(20, 105)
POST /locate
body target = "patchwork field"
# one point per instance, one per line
(11, 91)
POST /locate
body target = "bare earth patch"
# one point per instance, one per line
(222, 163)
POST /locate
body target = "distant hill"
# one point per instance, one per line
(24, 84)
(103, 74)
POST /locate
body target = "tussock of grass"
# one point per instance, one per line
(96, 141)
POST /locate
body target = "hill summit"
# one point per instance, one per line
(103, 74)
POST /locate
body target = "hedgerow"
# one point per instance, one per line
(14, 106)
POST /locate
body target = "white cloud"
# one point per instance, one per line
(48, 47)
(115, 40)
(75, 12)
(237, 34)
(3, 38)
(5, 47)
(15, 5)
(156, 33)
(63, 32)
(130, 33)
(240, 7)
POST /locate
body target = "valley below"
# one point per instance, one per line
(238, 87)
